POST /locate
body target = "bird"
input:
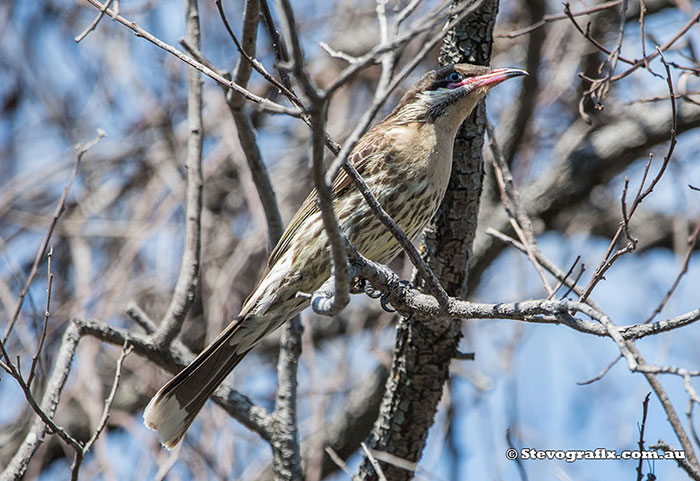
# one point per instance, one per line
(406, 160)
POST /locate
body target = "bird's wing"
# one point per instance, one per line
(365, 150)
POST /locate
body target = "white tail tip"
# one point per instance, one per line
(166, 416)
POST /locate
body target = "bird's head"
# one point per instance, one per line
(449, 93)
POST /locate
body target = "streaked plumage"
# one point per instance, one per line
(406, 161)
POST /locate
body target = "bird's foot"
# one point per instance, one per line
(392, 282)
(370, 291)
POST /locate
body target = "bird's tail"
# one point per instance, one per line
(174, 407)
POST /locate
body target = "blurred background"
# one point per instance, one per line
(121, 236)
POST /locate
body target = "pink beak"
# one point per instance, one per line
(494, 77)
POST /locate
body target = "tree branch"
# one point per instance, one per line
(185, 288)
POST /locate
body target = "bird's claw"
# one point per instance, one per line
(384, 302)
(370, 291)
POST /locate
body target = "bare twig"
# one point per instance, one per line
(668, 408)
(404, 14)
(682, 463)
(645, 61)
(265, 104)
(249, 35)
(375, 463)
(587, 36)
(94, 23)
(126, 350)
(610, 62)
(338, 460)
(47, 310)
(546, 263)
(642, 193)
(556, 17)
(141, 318)
(692, 239)
(244, 129)
(642, 12)
(317, 111)
(691, 422)
(47, 237)
(79, 457)
(337, 54)
(43, 424)
(174, 359)
(563, 280)
(625, 215)
(510, 198)
(640, 443)
(277, 48)
(408, 300)
(602, 373)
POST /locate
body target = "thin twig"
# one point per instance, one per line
(47, 310)
(692, 240)
(556, 17)
(509, 196)
(338, 460)
(608, 260)
(563, 280)
(645, 61)
(640, 443)
(642, 12)
(256, 64)
(277, 48)
(587, 36)
(82, 150)
(625, 215)
(265, 104)
(317, 111)
(176, 358)
(671, 414)
(546, 263)
(77, 461)
(244, 128)
(94, 23)
(17, 466)
(602, 373)
(682, 463)
(374, 462)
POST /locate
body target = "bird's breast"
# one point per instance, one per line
(426, 156)
(410, 185)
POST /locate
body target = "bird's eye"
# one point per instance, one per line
(455, 77)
